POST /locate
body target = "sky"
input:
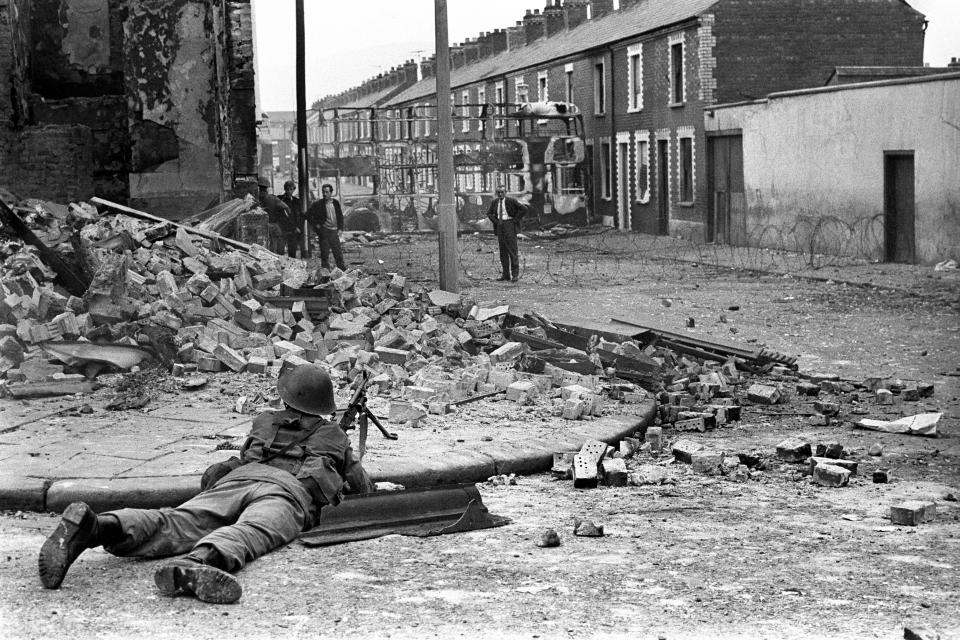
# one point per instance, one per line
(348, 42)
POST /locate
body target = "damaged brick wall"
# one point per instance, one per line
(243, 111)
(52, 162)
(164, 91)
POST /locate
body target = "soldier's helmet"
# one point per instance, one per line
(263, 182)
(309, 389)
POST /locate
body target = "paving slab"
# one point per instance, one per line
(149, 461)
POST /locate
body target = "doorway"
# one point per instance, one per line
(663, 186)
(727, 217)
(623, 187)
(899, 206)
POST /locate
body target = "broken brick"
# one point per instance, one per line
(793, 450)
(831, 475)
(913, 512)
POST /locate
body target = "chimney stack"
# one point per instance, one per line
(553, 18)
(533, 26)
(428, 65)
(516, 38)
(954, 63)
(497, 41)
(471, 50)
(600, 8)
(574, 13)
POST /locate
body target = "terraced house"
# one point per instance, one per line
(644, 74)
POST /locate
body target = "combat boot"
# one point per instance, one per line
(76, 532)
(191, 577)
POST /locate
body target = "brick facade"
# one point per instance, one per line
(731, 50)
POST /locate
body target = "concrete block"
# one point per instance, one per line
(389, 355)
(419, 393)
(522, 388)
(684, 449)
(763, 394)
(614, 472)
(793, 450)
(849, 465)
(231, 358)
(831, 475)
(585, 474)
(574, 409)
(507, 353)
(830, 450)
(209, 364)
(913, 512)
(706, 462)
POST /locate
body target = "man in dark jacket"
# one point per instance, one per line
(292, 464)
(278, 216)
(505, 214)
(292, 226)
(326, 218)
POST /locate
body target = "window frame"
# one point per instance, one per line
(500, 98)
(543, 86)
(635, 79)
(677, 77)
(465, 111)
(641, 144)
(599, 88)
(568, 76)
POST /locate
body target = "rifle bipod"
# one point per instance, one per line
(364, 417)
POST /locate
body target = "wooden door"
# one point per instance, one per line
(727, 216)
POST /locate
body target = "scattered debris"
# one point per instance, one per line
(548, 538)
(587, 529)
(922, 424)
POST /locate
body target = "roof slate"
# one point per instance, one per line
(639, 19)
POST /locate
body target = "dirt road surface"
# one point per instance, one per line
(698, 557)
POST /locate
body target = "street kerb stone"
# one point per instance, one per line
(22, 494)
(448, 467)
(107, 494)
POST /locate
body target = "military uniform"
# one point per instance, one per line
(290, 466)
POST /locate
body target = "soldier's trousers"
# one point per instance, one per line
(241, 519)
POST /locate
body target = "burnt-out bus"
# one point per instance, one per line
(384, 162)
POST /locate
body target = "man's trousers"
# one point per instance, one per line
(509, 254)
(241, 519)
(330, 241)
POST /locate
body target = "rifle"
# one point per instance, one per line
(358, 411)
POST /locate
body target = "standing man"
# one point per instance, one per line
(293, 226)
(505, 214)
(278, 215)
(293, 463)
(326, 218)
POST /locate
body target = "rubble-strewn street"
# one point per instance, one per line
(746, 538)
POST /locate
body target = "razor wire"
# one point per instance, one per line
(600, 255)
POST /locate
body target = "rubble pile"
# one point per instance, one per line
(198, 302)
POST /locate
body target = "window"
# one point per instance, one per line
(465, 112)
(686, 170)
(426, 121)
(543, 87)
(676, 69)
(599, 90)
(522, 91)
(635, 78)
(641, 174)
(568, 76)
(481, 101)
(499, 99)
(606, 176)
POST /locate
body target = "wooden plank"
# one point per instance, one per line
(536, 343)
(715, 345)
(55, 388)
(143, 215)
(72, 278)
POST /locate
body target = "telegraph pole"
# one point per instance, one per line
(303, 177)
(446, 209)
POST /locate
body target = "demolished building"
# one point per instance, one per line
(90, 105)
